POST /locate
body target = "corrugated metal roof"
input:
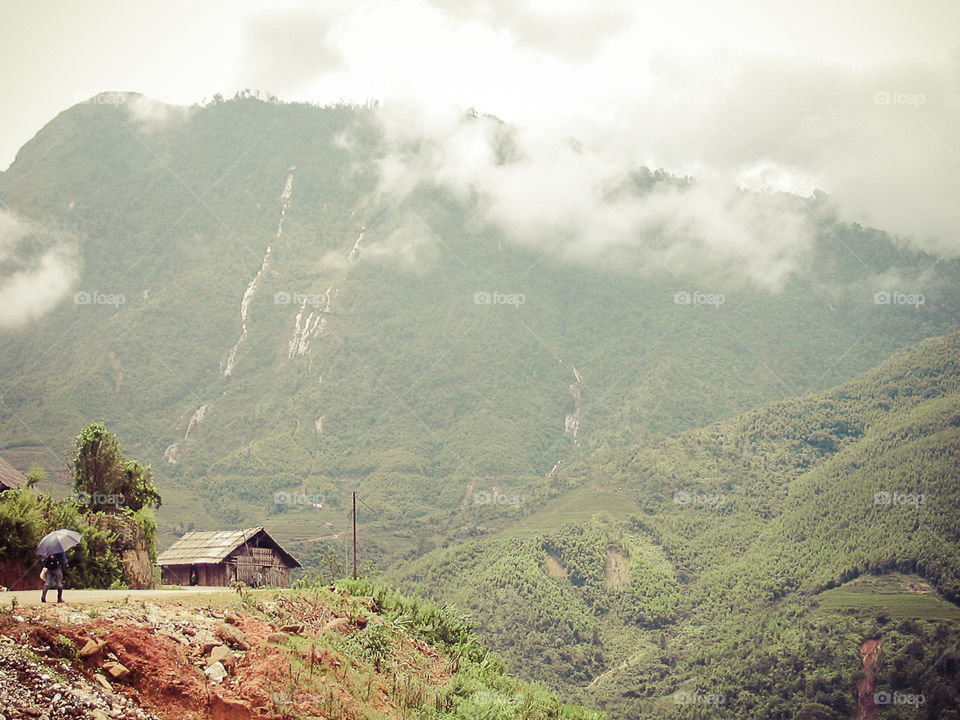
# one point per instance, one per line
(9, 475)
(201, 547)
(205, 547)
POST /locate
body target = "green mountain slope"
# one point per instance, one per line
(713, 577)
(287, 327)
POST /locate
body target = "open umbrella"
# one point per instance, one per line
(57, 542)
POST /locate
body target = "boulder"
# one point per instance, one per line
(216, 672)
(339, 624)
(223, 654)
(102, 682)
(232, 637)
(116, 670)
(92, 652)
(277, 637)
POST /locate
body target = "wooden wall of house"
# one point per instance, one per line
(258, 566)
(214, 575)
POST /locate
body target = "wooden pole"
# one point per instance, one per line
(354, 535)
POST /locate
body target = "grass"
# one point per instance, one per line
(887, 595)
(579, 505)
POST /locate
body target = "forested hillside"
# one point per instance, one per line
(703, 563)
(286, 325)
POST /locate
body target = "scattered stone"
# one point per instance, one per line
(216, 672)
(102, 682)
(338, 624)
(232, 637)
(207, 647)
(93, 651)
(277, 637)
(224, 655)
(116, 670)
(292, 629)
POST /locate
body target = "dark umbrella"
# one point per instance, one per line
(57, 542)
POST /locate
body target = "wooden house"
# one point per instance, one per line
(223, 557)
(10, 477)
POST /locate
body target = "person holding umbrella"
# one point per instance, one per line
(53, 548)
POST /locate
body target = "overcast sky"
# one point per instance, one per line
(860, 98)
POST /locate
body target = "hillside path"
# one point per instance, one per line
(29, 598)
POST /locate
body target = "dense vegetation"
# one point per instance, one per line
(733, 533)
(412, 392)
(678, 549)
(112, 510)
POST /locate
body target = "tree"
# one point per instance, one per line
(35, 474)
(105, 479)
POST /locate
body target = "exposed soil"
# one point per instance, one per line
(289, 656)
(867, 709)
(617, 569)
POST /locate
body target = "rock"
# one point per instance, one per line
(116, 670)
(232, 637)
(277, 637)
(102, 682)
(338, 624)
(223, 709)
(216, 672)
(223, 654)
(93, 651)
(207, 647)
(292, 629)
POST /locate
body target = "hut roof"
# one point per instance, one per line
(10, 477)
(210, 548)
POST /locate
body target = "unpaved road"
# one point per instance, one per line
(28, 598)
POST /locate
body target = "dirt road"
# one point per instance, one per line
(28, 598)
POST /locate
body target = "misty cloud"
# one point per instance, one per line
(881, 141)
(555, 196)
(152, 115)
(38, 267)
(570, 32)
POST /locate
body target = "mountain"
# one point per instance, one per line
(745, 562)
(252, 313)
(658, 482)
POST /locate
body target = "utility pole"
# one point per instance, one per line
(354, 535)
